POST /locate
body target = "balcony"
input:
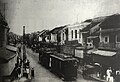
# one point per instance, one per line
(108, 46)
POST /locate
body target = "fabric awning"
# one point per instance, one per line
(104, 53)
(105, 58)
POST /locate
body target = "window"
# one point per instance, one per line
(89, 40)
(118, 38)
(72, 33)
(79, 34)
(75, 33)
(63, 36)
(106, 39)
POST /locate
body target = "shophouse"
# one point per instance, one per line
(7, 53)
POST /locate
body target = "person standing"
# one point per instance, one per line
(27, 72)
(108, 72)
(19, 72)
(32, 73)
(111, 78)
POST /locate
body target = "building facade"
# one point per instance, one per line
(72, 33)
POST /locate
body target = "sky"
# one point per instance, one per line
(37, 15)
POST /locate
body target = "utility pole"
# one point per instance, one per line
(85, 48)
(24, 48)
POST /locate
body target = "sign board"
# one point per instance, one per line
(79, 53)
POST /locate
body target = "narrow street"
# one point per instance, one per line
(44, 75)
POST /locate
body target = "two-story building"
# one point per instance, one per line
(107, 50)
(72, 34)
(55, 35)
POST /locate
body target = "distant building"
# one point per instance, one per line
(55, 35)
(43, 36)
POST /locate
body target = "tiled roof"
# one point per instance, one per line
(94, 22)
(112, 21)
(57, 29)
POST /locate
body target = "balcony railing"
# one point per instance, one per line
(109, 46)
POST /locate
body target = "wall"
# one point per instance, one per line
(111, 44)
(78, 53)
(79, 35)
(7, 68)
(53, 37)
(63, 36)
(68, 50)
(2, 40)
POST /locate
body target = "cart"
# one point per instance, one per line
(88, 70)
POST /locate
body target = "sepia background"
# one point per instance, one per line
(46, 14)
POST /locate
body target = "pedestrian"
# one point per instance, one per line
(28, 63)
(27, 72)
(25, 63)
(19, 72)
(108, 72)
(111, 77)
(32, 73)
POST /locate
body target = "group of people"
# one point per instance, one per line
(16, 74)
(22, 69)
(112, 76)
(26, 69)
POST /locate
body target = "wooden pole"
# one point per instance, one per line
(24, 48)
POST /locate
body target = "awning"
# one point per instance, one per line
(11, 48)
(105, 58)
(6, 55)
(104, 53)
(90, 51)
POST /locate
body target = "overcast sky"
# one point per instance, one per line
(37, 15)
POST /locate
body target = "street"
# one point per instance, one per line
(44, 75)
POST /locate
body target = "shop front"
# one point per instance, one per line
(104, 59)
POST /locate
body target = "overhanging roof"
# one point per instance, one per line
(104, 53)
(57, 29)
(112, 21)
(11, 48)
(6, 55)
(110, 30)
